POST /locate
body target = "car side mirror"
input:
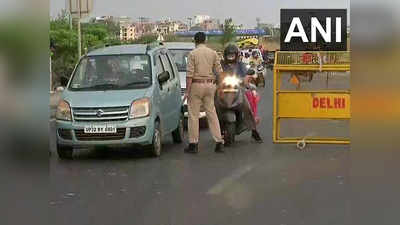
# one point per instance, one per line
(163, 77)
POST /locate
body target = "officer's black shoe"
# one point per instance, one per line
(219, 147)
(256, 136)
(192, 148)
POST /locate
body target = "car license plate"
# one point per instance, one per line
(100, 129)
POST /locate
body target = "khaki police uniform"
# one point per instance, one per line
(202, 61)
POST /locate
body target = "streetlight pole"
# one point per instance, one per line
(79, 30)
(51, 76)
(190, 22)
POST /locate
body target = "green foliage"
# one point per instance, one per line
(145, 39)
(66, 54)
(229, 32)
(66, 45)
(170, 38)
(98, 30)
(65, 40)
(94, 35)
(21, 43)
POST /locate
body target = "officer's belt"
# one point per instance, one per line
(204, 81)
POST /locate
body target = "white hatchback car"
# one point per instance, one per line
(180, 51)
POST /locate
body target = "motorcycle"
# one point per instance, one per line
(229, 102)
(259, 74)
(270, 59)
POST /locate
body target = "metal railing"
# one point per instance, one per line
(299, 104)
(313, 58)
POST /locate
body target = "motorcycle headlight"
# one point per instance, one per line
(63, 111)
(140, 108)
(231, 81)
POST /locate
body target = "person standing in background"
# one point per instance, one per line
(200, 91)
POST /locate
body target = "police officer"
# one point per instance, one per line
(200, 91)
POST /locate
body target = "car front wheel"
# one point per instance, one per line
(156, 146)
(64, 152)
(178, 134)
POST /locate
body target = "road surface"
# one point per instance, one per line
(250, 184)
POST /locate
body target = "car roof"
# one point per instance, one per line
(179, 45)
(123, 50)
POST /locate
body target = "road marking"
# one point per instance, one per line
(228, 181)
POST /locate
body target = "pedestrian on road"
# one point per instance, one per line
(200, 91)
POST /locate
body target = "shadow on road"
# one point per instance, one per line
(119, 154)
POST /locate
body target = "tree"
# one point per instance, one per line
(65, 43)
(65, 57)
(94, 35)
(145, 39)
(170, 38)
(112, 27)
(21, 45)
(229, 32)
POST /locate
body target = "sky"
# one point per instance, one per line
(241, 11)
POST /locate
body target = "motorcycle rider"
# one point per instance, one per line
(246, 58)
(255, 58)
(231, 64)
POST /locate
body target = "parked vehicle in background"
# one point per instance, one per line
(250, 50)
(270, 59)
(259, 74)
(248, 43)
(260, 71)
(118, 96)
(180, 51)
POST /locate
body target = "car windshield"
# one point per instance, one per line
(181, 58)
(112, 73)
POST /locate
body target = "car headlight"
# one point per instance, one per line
(140, 108)
(63, 111)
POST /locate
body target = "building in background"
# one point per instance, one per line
(144, 20)
(144, 26)
(203, 23)
(124, 20)
(198, 19)
(272, 30)
(210, 24)
(128, 32)
(167, 27)
(103, 19)
(182, 27)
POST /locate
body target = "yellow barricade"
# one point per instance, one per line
(311, 87)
